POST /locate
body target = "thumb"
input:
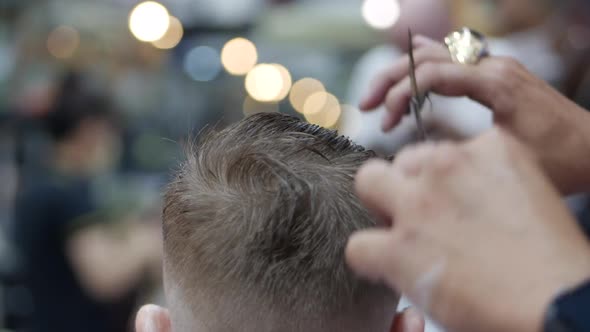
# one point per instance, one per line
(368, 253)
(152, 318)
(375, 185)
(410, 320)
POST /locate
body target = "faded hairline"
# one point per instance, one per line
(255, 223)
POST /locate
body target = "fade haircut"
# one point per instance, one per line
(255, 225)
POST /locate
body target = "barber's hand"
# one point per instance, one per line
(557, 130)
(153, 318)
(410, 320)
(479, 238)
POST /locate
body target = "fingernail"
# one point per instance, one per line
(412, 321)
(387, 122)
(151, 324)
(363, 104)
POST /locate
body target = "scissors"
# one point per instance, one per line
(417, 101)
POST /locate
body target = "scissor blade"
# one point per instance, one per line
(418, 99)
(418, 116)
(415, 92)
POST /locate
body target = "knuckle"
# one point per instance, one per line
(427, 69)
(433, 52)
(514, 149)
(412, 160)
(406, 233)
(448, 158)
(423, 203)
(506, 66)
(506, 83)
(393, 96)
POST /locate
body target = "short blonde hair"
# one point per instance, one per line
(259, 215)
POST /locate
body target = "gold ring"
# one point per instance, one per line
(467, 46)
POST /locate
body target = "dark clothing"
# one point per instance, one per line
(48, 211)
(569, 312)
(585, 218)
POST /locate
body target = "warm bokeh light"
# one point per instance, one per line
(63, 41)
(149, 21)
(322, 109)
(239, 56)
(287, 82)
(202, 63)
(316, 102)
(251, 107)
(172, 37)
(265, 83)
(381, 14)
(302, 89)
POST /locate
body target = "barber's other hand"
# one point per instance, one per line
(479, 238)
(153, 318)
(409, 320)
(556, 129)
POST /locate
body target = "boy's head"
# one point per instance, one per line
(255, 226)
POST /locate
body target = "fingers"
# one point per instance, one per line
(411, 161)
(410, 320)
(429, 52)
(152, 318)
(374, 187)
(375, 253)
(423, 41)
(370, 253)
(492, 82)
(376, 95)
(499, 143)
(404, 189)
(448, 79)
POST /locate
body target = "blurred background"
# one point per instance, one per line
(97, 98)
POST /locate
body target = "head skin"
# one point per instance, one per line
(255, 225)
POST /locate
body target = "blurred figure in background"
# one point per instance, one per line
(82, 267)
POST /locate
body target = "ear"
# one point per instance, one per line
(410, 320)
(152, 318)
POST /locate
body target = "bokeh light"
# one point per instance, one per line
(63, 41)
(319, 102)
(252, 106)
(322, 109)
(302, 89)
(265, 82)
(316, 102)
(202, 63)
(172, 37)
(149, 21)
(239, 56)
(287, 82)
(381, 14)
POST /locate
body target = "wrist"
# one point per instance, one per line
(568, 165)
(585, 129)
(581, 158)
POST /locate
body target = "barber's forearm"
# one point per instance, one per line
(571, 163)
(585, 152)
